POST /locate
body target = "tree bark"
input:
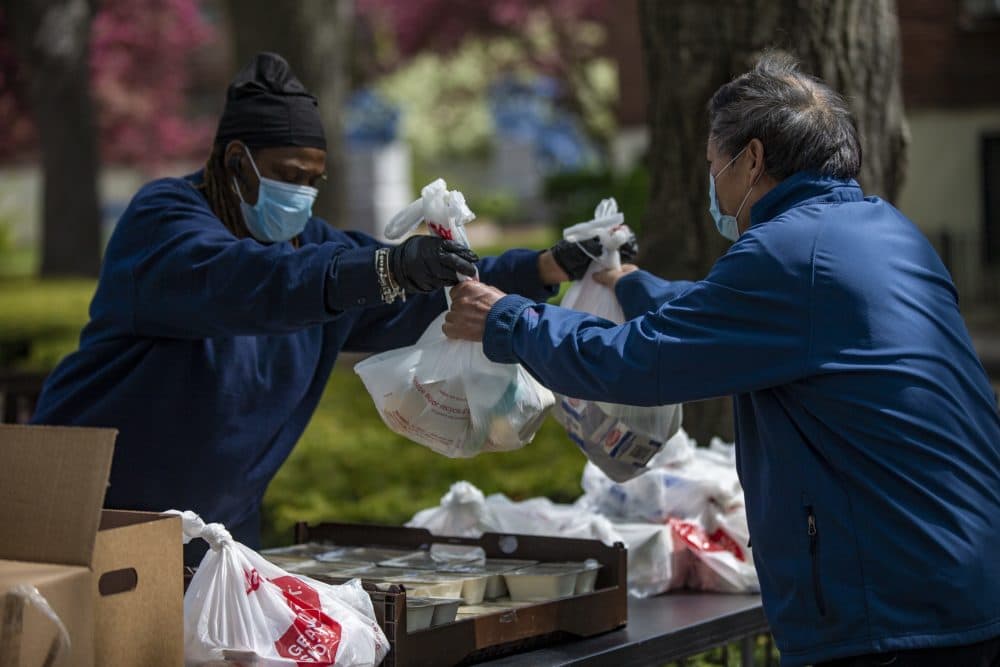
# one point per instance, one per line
(52, 41)
(691, 48)
(314, 37)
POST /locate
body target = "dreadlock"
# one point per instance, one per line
(220, 195)
(222, 199)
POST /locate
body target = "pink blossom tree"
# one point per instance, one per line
(82, 78)
(139, 77)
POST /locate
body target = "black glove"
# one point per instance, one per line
(425, 263)
(629, 250)
(575, 260)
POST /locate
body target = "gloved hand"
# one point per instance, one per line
(425, 263)
(575, 260)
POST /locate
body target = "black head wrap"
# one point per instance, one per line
(266, 106)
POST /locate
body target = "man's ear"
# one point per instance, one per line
(755, 152)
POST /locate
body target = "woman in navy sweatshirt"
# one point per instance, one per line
(222, 305)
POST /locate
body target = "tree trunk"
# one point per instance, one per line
(692, 48)
(314, 38)
(52, 41)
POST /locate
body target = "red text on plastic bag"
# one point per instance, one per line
(313, 637)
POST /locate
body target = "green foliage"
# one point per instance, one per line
(444, 99)
(573, 196)
(538, 238)
(444, 95)
(40, 321)
(764, 653)
(501, 208)
(6, 235)
(17, 262)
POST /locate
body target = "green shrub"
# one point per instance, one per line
(572, 196)
(40, 320)
(502, 208)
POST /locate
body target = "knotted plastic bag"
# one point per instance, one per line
(444, 393)
(619, 439)
(242, 609)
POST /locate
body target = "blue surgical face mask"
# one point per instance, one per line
(282, 209)
(726, 224)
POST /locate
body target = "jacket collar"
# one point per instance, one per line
(802, 187)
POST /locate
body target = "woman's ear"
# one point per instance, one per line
(234, 156)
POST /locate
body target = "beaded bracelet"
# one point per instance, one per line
(387, 285)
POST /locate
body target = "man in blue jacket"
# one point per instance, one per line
(222, 305)
(867, 433)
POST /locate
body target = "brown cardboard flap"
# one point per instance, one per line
(112, 519)
(52, 484)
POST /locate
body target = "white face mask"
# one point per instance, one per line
(726, 224)
(282, 209)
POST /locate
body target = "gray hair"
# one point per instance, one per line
(803, 123)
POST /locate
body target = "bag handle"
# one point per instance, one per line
(444, 210)
(607, 225)
(16, 600)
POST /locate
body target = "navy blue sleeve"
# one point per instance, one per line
(398, 324)
(516, 272)
(191, 278)
(640, 292)
(402, 323)
(745, 327)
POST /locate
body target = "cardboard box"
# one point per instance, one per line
(111, 577)
(52, 483)
(138, 590)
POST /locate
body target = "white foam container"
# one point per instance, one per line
(585, 580)
(419, 614)
(430, 586)
(474, 588)
(586, 577)
(541, 582)
(445, 611)
(495, 587)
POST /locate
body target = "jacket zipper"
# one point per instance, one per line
(814, 555)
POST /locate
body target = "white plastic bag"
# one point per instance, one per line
(444, 393)
(242, 608)
(686, 489)
(465, 512)
(657, 562)
(619, 439)
(722, 558)
(462, 513)
(694, 491)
